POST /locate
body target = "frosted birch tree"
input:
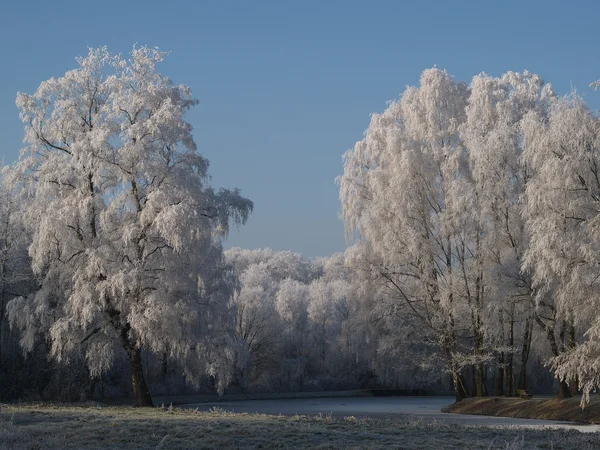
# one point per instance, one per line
(15, 273)
(326, 300)
(562, 149)
(292, 306)
(126, 231)
(269, 305)
(492, 134)
(403, 193)
(257, 322)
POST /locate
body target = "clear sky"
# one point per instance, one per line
(286, 87)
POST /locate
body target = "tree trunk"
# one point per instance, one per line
(140, 389)
(165, 366)
(138, 382)
(574, 386)
(500, 376)
(477, 370)
(473, 381)
(459, 386)
(564, 391)
(510, 375)
(481, 382)
(92, 387)
(458, 382)
(2, 297)
(525, 353)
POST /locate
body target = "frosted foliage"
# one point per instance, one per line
(326, 298)
(562, 149)
(282, 265)
(402, 189)
(493, 135)
(562, 197)
(297, 317)
(126, 232)
(434, 191)
(255, 304)
(292, 301)
(327, 304)
(256, 320)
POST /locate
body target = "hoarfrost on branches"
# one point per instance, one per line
(126, 231)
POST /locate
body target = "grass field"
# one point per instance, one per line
(94, 427)
(549, 409)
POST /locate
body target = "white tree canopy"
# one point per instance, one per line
(563, 215)
(434, 191)
(126, 231)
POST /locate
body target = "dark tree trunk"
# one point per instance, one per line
(477, 369)
(574, 386)
(165, 366)
(525, 353)
(140, 389)
(473, 381)
(481, 381)
(2, 297)
(510, 375)
(459, 386)
(93, 387)
(564, 391)
(138, 382)
(500, 376)
(458, 381)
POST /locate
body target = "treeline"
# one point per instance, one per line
(297, 325)
(474, 212)
(322, 324)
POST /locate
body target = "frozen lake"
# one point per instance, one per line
(427, 409)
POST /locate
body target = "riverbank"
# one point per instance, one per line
(229, 397)
(547, 409)
(95, 427)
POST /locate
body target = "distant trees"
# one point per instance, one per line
(256, 321)
(125, 231)
(296, 320)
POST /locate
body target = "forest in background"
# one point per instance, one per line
(472, 211)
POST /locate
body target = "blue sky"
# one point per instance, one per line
(286, 87)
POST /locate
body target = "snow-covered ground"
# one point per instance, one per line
(427, 409)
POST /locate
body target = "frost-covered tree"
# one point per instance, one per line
(282, 265)
(270, 311)
(327, 300)
(257, 321)
(126, 231)
(492, 134)
(404, 189)
(562, 149)
(434, 193)
(16, 278)
(298, 321)
(292, 306)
